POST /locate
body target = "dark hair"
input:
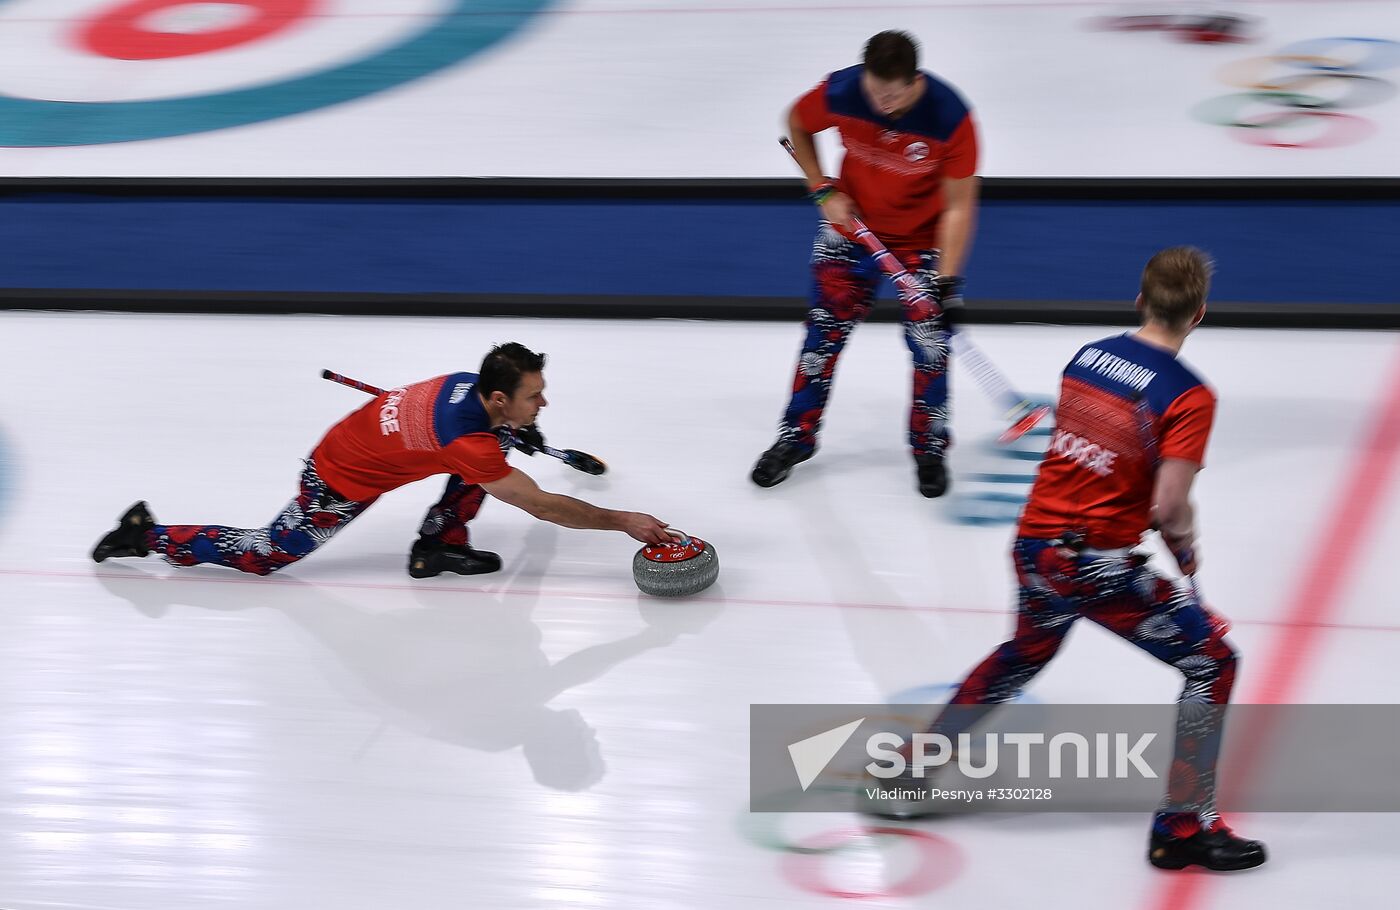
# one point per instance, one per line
(891, 56)
(502, 369)
(1175, 284)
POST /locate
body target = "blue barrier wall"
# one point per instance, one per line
(1294, 253)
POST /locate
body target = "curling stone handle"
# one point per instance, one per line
(684, 537)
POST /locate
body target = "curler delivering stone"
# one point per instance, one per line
(686, 566)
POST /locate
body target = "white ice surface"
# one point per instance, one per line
(340, 735)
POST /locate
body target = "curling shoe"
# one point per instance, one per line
(777, 463)
(429, 558)
(129, 537)
(1218, 850)
(933, 475)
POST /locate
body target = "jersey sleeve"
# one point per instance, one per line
(1186, 425)
(812, 111)
(961, 155)
(476, 458)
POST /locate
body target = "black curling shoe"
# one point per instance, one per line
(1219, 851)
(933, 475)
(129, 537)
(428, 558)
(777, 463)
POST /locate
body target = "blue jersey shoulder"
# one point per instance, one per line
(458, 410)
(937, 115)
(942, 110)
(1133, 370)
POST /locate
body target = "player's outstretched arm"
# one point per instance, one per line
(519, 490)
(1172, 512)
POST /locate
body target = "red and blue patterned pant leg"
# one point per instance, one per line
(308, 521)
(845, 280)
(1133, 602)
(928, 342)
(1170, 624)
(446, 521)
(843, 291)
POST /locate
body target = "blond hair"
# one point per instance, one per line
(1174, 285)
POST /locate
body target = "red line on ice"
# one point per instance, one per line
(1317, 597)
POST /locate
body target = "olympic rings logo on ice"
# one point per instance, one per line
(1296, 97)
(149, 30)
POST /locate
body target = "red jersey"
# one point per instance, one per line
(434, 427)
(1124, 406)
(894, 169)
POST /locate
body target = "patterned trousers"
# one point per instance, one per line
(1127, 598)
(845, 279)
(308, 521)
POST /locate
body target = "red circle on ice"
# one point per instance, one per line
(1343, 129)
(124, 33)
(940, 862)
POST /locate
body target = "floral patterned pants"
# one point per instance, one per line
(312, 518)
(844, 282)
(1124, 596)
(308, 521)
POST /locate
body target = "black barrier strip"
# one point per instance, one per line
(785, 309)
(994, 188)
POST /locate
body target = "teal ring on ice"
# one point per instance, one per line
(469, 27)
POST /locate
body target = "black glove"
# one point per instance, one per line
(947, 289)
(529, 440)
